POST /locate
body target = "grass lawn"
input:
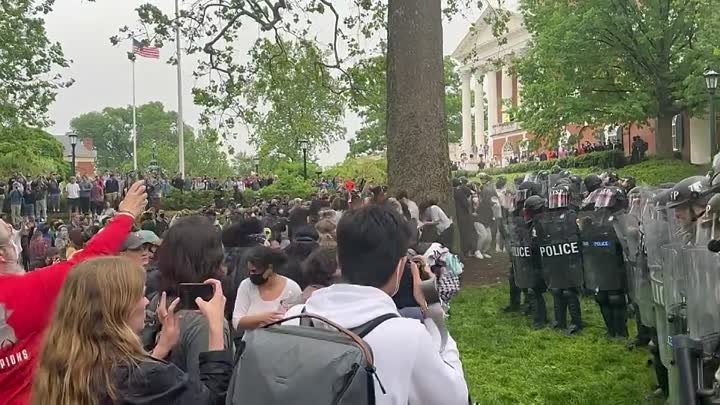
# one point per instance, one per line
(508, 363)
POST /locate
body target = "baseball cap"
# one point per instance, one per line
(148, 237)
(132, 242)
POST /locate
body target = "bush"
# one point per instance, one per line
(371, 168)
(607, 159)
(291, 187)
(651, 172)
(192, 200)
(658, 171)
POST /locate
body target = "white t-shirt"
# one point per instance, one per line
(413, 208)
(249, 302)
(73, 190)
(438, 215)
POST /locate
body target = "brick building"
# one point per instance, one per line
(85, 155)
(488, 78)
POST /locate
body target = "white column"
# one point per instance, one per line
(479, 114)
(519, 91)
(466, 117)
(506, 91)
(492, 96)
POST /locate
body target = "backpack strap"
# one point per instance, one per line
(364, 329)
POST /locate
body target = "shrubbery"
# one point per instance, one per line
(607, 159)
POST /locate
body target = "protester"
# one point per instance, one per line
(305, 240)
(372, 247)
(436, 225)
(73, 195)
(38, 250)
(263, 296)
(190, 253)
(27, 301)
(91, 354)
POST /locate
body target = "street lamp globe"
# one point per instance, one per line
(304, 144)
(711, 80)
(73, 138)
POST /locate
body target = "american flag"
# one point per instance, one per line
(145, 51)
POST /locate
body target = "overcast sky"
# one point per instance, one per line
(103, 74)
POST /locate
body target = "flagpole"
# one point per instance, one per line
(180, 123)
(134, 119)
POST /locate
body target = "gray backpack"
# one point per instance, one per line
(300, 365)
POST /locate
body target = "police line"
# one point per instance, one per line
(560, 249)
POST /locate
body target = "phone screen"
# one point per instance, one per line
(187, 293)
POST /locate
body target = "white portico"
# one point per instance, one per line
(490, 88)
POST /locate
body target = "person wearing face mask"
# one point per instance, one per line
(372, 245)
(263, 297)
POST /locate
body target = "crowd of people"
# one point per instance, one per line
(98, 310)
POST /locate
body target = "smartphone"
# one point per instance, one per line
(187, 292)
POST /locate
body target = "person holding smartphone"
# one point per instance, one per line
(191, 252)
(91, 353)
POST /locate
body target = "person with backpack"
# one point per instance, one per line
(352, 332)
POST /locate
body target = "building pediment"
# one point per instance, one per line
(480, 46)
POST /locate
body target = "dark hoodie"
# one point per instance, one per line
(158, 382)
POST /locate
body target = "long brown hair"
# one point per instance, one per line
(89, 333)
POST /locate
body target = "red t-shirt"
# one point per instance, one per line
(26, 305)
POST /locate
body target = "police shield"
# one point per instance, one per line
(703, 316)
(627, 229)
(559, 248)
(521, 253)
(602, 254)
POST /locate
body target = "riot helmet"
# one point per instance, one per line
(534, 205)
(592, 183)
(611, 198)
(556, 169)
(523, 192)
(559, 196)
(628, 183)
(713, 211)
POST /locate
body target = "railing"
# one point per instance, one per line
(506, 127)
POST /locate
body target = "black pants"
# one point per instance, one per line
(85, 205)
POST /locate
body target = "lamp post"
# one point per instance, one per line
(711, 82)
(73, 143)
(304, 145)
(256, 161)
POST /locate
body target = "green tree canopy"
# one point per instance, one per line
(291, 97)
(368, 99)
(30, 151)
(111, 128)
(614, 61)
(28, 63)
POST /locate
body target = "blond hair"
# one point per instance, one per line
(89, 333)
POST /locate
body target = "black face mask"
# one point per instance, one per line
(258, 279)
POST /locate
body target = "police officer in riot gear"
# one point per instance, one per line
(509, 221)
(534, 208)
(525, 269)
(604, 268)
(560, 257)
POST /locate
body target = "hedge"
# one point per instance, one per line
(606, 159)
(650, 172)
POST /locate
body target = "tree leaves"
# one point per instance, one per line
(613, 61)
(30, 151)
(368, 100)
(28, 60)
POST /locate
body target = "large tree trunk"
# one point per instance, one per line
(417, 143)
(663, 135)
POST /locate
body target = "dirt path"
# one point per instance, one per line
(486, 271)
